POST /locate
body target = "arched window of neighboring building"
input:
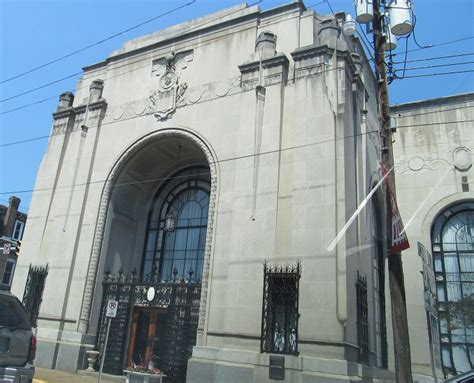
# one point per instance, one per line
(453, 256)
(177, 225)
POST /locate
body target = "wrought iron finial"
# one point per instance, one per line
(175, 273)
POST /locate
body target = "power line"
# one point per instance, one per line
(27, 140)
(440, 65)
(214, 162)
(41, 87)
(204, 44)
(246, 156)
(145, 54)
(113, 122)
(437, 74)
(97, 42)
(210, 41)
(436, 58)
(430, 112)
(438, 45)
(28, 105)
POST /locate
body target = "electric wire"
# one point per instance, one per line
(41, 87)
(428, 112)
(242, 157)
(437, 74)
(440, 65)
(199, 26)
(144, 54)
(97, 42)
(147, 58)
(436, 58)
(439, 44)
(112, 122)
(414, 34)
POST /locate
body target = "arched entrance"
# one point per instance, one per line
(154, 252)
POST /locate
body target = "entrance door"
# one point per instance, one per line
(146, 336)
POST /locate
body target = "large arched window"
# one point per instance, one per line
(453, 256)
(177, 225)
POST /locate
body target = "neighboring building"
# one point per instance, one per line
(434, 175)
(12, 224)
(214, 164)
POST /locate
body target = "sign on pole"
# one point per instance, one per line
(111, 311)
(6, 248)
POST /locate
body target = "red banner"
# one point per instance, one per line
(399, 236)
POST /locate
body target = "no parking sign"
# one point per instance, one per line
(111, 311)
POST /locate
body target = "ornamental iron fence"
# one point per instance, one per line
(178, 303)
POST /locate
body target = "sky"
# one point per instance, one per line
(36, 32)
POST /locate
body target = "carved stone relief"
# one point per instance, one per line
(462, 158)
(459, 157)
(170, 90)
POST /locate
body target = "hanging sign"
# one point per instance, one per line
(6, 249)
(399, 237)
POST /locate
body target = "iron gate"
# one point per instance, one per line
(33, 294)
(181, 299)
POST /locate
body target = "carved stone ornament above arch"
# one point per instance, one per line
(103, 210)
(460, 157)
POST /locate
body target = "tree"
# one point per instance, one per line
(461, 313)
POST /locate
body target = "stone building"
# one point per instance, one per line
(434, 173)
(200, 177)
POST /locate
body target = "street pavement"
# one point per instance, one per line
(43, 375)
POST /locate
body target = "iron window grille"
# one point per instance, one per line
(33, 295)
(280, 308)
(362, 319)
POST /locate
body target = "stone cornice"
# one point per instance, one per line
(65, 113)
(311, 51)
(433, 102)
(279, 59)
(314, 50)
(100, 104)
(98, 65)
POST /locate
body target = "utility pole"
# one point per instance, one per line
(401, 337)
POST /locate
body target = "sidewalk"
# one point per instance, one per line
(43, 375)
